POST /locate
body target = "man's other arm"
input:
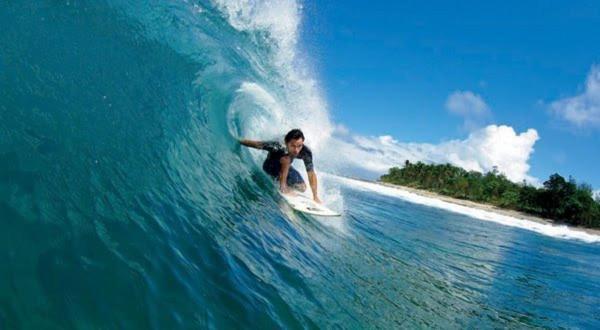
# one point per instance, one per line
(312, 180)
(251, 143)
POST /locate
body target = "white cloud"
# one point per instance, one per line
(582, 110)
(341, 129)
(466, 103)
(470, 106)
(483, 149)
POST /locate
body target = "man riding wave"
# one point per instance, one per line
(278, 163)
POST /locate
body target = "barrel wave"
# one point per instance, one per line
(126, 201)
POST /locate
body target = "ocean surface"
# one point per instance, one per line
(126, 202)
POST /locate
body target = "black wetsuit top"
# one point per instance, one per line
(276, 150)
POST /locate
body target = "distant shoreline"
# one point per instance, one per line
(481, 206)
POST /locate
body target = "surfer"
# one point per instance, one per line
(279, 162)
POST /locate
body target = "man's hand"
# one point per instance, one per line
(285, 189)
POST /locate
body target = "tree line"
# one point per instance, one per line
(558, 199)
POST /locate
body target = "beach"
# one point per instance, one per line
(484, 207)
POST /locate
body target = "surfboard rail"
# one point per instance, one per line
(304, 204)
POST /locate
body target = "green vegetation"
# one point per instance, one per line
(559, 199)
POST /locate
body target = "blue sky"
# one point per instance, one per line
(389, 68)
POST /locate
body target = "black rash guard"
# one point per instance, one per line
(276, 150)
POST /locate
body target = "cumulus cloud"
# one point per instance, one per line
(470, 106)
(582, 110)
(341, 129)
(484, 149)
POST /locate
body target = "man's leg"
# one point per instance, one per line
(271, 168)
(295, 181)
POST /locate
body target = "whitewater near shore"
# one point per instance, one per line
(479, 210)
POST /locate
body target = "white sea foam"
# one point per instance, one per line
(288, 96)
(544, 229)
(279, 18)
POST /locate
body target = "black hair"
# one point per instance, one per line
(294, 134)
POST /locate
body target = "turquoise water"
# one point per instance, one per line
(126, 203)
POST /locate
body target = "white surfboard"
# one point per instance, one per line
(305, 204)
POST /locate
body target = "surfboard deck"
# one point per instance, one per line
(305, 204)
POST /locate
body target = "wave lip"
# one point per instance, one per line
(557, 231)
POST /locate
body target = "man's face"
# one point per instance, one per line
(294, 146)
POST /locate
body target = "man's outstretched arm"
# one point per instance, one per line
(312, 180)
(251, 143)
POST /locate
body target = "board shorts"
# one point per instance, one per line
(294, 178)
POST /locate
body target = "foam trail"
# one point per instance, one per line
(545, 229)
